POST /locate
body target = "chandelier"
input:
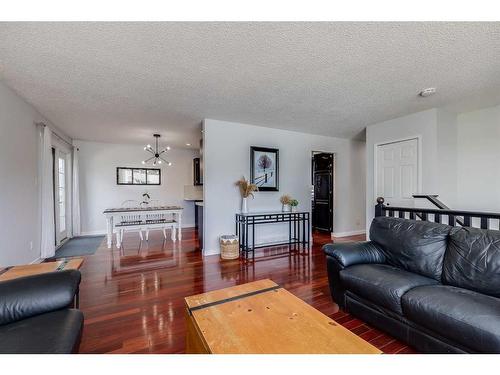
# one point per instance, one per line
(156, 158)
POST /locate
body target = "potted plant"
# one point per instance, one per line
(246, 190)
(285, 202)
(294, 203)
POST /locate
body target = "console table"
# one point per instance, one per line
(298, 229)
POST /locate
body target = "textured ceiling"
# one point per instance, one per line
(121, 82)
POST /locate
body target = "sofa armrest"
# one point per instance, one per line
(33, 295)
(351, 253)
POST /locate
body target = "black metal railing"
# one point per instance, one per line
(436, 202)
(446, 216)
(433, 198)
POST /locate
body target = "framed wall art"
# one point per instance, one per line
(264, 168)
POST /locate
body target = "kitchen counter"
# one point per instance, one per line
(193, 193)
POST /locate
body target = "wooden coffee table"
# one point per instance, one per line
(38, 268)
(263, 318)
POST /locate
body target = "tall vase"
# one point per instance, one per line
(244, 206)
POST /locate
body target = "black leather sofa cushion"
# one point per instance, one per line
(33, 295)
(56, 332)
(472, 260)
(381, 283)
(416, 246)
(469, 318)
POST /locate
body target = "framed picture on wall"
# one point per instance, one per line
(138, 176)
(264, 168)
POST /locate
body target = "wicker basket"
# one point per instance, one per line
(229, 247)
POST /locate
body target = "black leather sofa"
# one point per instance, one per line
(36, 315)
(433, 286)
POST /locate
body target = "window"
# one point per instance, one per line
(138, 176)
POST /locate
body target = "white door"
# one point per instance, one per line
(397, 172)
(61, 195)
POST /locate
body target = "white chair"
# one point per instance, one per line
(132, 222)
(160, 222)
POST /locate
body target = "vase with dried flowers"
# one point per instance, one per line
(285, 202)
(246, 190)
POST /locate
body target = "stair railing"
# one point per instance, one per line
(436, 202)
(445, 216)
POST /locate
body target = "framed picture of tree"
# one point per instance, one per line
(264, 168)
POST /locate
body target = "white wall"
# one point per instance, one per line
(479, 160)
(227, 158)
(447, 158)
(98, 188)
(422, 125)
(460, 154)
(19, 199)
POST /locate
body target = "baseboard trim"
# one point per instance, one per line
(37, 260)
(210, 252)
(92, 233)
(347, 234)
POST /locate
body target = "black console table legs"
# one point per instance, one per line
(298, 229)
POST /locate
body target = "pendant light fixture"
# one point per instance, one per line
(156, 158)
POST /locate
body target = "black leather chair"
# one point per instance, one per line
(433, 286)
(36, 315)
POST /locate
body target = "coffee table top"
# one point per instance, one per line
(38, 268)
(262, 317)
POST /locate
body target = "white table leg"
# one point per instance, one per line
(172, 234)
(109, 228)
(179, 225)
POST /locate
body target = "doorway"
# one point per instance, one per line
(397, 172)
(322, 191)
(61, 184)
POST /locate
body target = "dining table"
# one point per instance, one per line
(114, 215)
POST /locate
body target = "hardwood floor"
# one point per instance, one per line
(133, 299)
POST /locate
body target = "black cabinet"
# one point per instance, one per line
(197, 174)
(322, 204)
(199, 222)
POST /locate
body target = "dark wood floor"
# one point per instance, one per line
(133, 299)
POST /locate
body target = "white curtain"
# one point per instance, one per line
(76, 194)
(47, 248)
